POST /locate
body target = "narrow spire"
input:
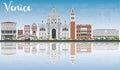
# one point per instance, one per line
(53, 10)
(72, 11)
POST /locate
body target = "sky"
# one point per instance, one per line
(101, 14)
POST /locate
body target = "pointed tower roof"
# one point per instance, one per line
(72, 11)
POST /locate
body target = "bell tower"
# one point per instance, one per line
(72, 15)
(72, 25)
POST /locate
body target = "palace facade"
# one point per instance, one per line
(8, 30)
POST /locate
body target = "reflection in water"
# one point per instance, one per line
(106, 46)
(54, 51)
(8, 48)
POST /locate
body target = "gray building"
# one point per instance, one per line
(103, 33)
(42, 31)
(65, 31)
(8, 30)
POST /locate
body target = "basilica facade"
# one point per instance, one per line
(53, 28)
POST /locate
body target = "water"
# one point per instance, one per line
(60, 56)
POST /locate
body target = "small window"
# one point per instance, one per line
(72, 17)
(2, 31)
(14, 31)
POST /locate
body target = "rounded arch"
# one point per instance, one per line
(53, 33)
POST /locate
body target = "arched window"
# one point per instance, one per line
(65, 29)
(42, 29)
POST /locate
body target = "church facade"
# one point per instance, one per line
(53, 28)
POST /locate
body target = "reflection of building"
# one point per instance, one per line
(34, 29)
(8, 48)
(106, 46)
(27, 47)
(20, 46)
(83, 31)
(72, 25)
(53, 52)
(27, 31)
(34, 49)
(72, 52)
(65, 48)
(8, 30)
(83, 47)
(56, 50)
(103, 33)
(43, 48)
